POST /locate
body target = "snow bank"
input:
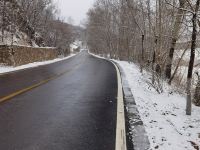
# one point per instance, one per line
(167, 126)
(6, 69)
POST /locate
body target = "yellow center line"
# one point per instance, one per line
(10, 96)
(25, 90)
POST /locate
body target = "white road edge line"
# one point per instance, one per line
(120, 143)
(120, 129)
(36, 66)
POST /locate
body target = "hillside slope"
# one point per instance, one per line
(15, 27)
(34, 23)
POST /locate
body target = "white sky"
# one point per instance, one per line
(75, 9)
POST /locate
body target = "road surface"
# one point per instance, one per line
(76, 110)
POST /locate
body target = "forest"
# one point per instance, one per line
(161, 36)
(34, 23)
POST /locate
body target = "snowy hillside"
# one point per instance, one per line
(34, 23)
(19, 38)
(15, 26)
(167, 126)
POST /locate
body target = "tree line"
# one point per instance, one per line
(38, 19)
(150, 33)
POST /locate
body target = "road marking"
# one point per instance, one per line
(120, 130)
(5, 98)
(120, 143)
(25, 90)
(42, 65)
(10, 96)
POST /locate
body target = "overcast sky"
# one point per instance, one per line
(76, 9)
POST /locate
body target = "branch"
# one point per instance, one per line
(129, 5)
(188, 1)
(179, 8)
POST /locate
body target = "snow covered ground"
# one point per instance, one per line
(5, 69)
(167, 126)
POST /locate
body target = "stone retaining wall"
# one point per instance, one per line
(20, 55)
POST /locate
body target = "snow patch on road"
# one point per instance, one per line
(6, 69)
(167, 126)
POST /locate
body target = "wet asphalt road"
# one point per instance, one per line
(76, 111)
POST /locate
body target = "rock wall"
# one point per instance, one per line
(20, 55)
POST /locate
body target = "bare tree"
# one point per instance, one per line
(147, 34)
(175, 34)
(37, 19)
(197, 92)
(192, 57)
(3, 19)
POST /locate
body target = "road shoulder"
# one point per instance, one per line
(120, 143)
(136, 137)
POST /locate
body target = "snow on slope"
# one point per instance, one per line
(19, 38)
(163, 114)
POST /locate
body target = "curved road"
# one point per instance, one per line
(74, 111)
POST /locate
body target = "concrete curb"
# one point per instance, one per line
(121, 136)
(136, 135)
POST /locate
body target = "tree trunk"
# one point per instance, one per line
(142, 56)
(160, 31)
(192, 57)
(197, 92)
(153, 66)
(176, 69)
(176, 30)
(3, 20)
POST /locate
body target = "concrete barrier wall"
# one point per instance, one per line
(20, 55)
